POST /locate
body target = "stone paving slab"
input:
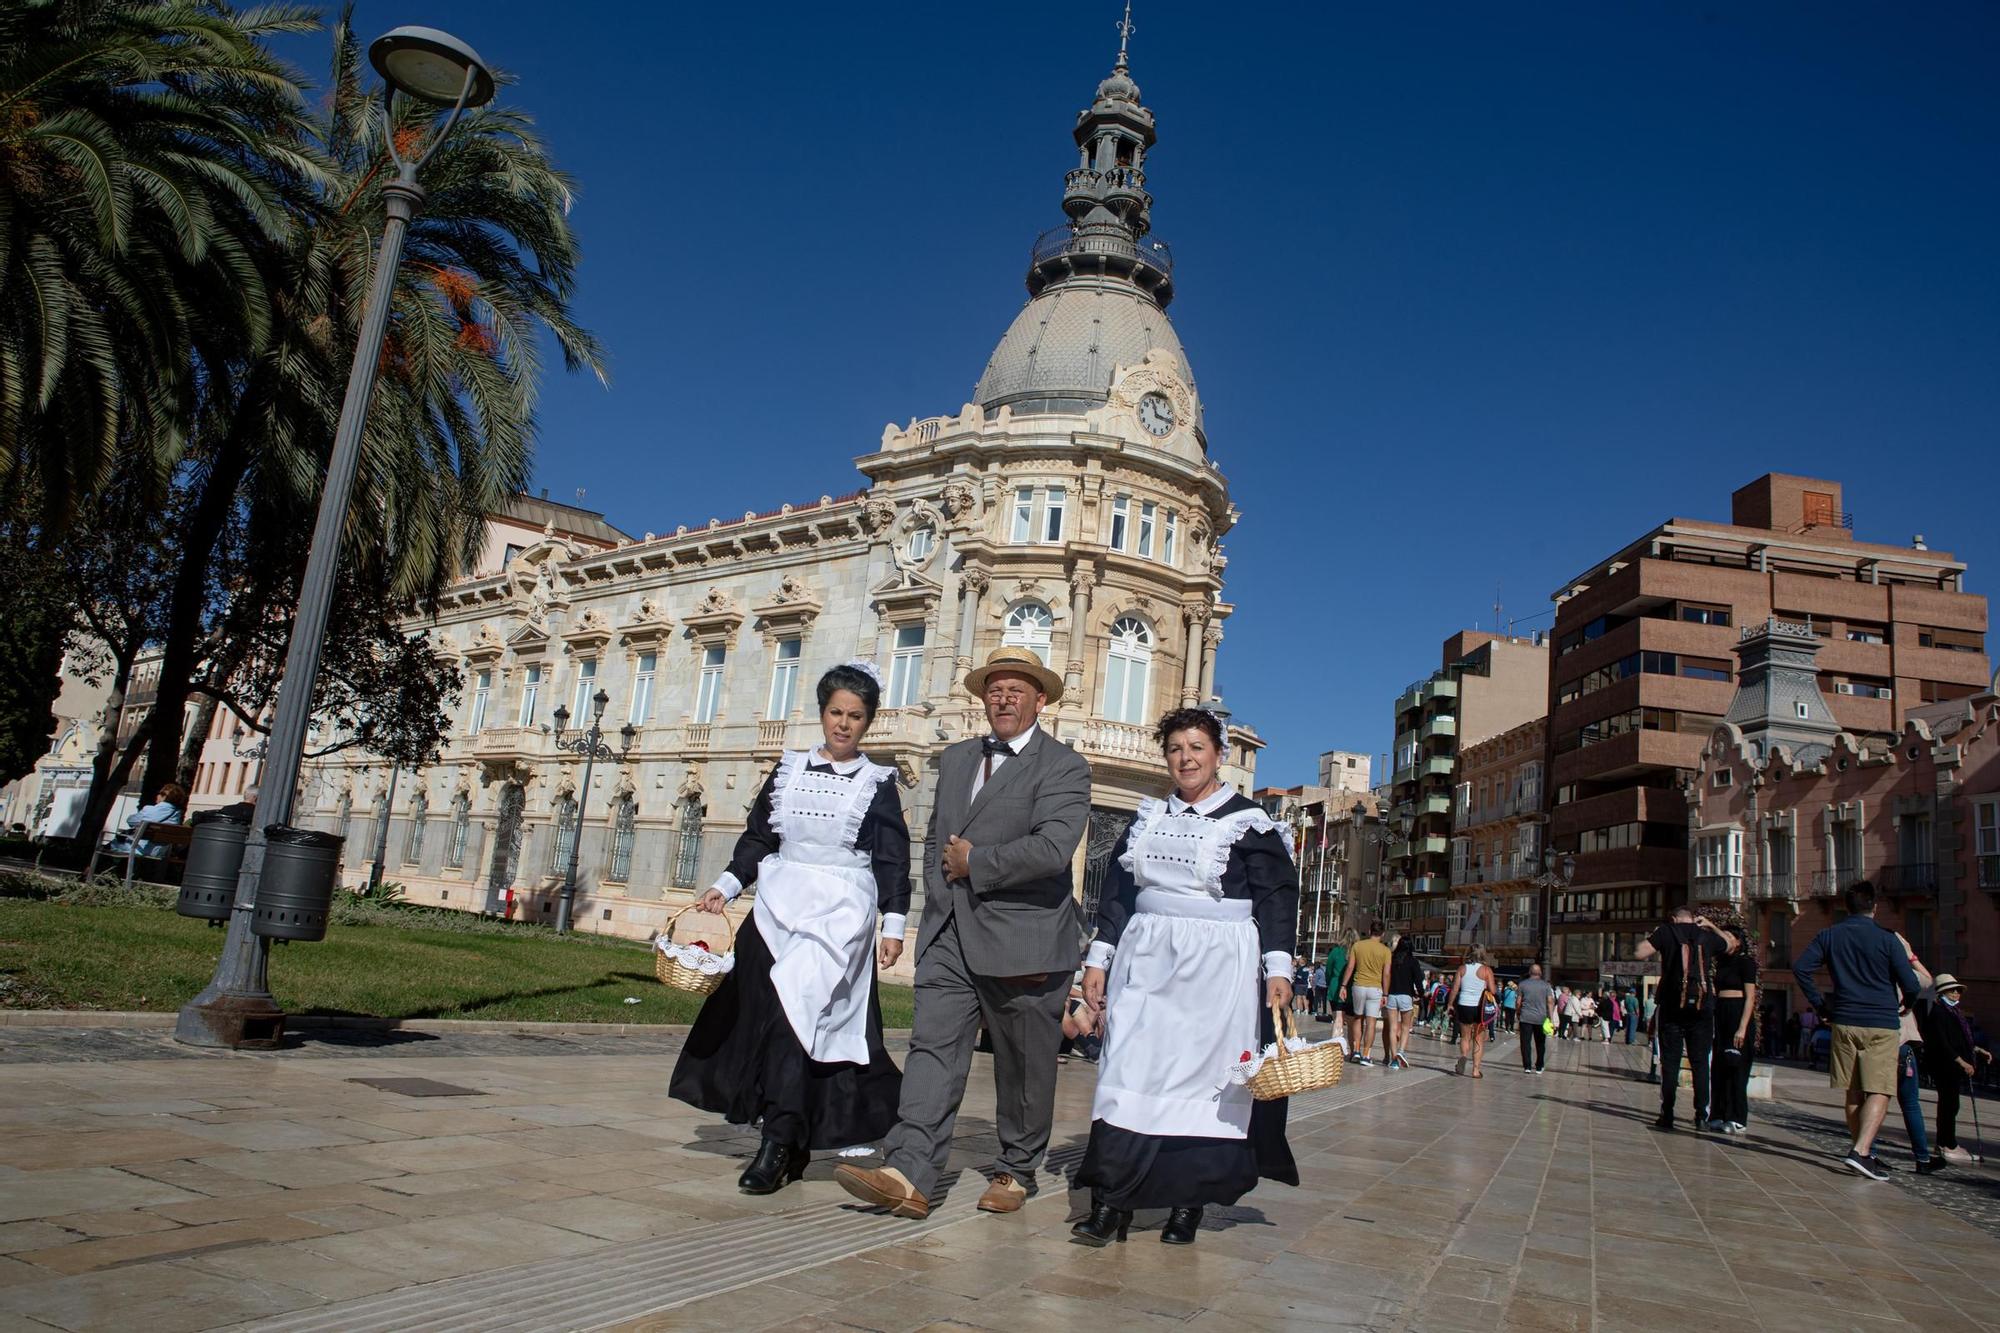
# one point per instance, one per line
(144, 1185)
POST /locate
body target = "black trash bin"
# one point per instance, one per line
(296, 888)
(215, 854)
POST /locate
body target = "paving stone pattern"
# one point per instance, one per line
(146, 1186)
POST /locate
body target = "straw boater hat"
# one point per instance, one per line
(1021, 661)
(1946, 981)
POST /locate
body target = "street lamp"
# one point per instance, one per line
(591, 746)
(1394, 828)
(1557, 873)
(236, 1007)
(257, 751)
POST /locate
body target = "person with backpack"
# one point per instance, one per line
(1685, 1018)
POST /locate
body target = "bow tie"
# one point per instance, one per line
(993, 746)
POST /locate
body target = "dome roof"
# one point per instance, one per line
(1068, 342)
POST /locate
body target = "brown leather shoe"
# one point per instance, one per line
(1004, 1195)
(885, 1187)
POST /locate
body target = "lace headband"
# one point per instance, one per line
(868, 669)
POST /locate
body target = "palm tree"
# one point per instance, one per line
(489, 271)
(146, 150)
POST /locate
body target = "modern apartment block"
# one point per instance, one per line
(1487, 684)
(1496, 846)
(1643, 670)
(1345, 770)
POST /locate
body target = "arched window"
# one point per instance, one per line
(687, 843)
(624, 832)
(413, 843)
(461, 829)
(565, 835)
(1030, 626)
(1128, 670)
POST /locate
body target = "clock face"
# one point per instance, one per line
(1156, 414)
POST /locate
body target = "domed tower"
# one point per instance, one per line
(1098, 286)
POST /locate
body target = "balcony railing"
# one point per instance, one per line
(1119, 740)
(1989, 872)
(1717, 888)
(771, 734)
(1907, 877)
(695, 735)
(1780, 886)
(1827, 883)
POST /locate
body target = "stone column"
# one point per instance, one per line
(1079, 640)
(972, 585)
(1211, 640)
(1191, 661)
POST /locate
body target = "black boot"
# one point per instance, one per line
(775, 1166)
(1181, 1225)
(1104, 1225)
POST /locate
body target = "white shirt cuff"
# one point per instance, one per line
(732, 887)
(1278, 964)
(895, 925)
(1099, 955)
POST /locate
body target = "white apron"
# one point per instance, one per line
(1181, 998)
(815, 907)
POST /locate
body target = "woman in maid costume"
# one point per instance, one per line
(793, 1036)
(1195, 931)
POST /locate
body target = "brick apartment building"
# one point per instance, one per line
(1487, 684)
(1642, 671)
(1496, 846)
(1789, 810)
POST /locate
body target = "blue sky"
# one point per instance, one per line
(1475, 293)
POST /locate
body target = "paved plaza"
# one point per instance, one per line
(494, 1180)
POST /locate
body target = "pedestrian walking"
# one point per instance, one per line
(1361, 987)
(1406, 977)
(1954, 1057)
(1735, 1013)
(1535, 998)
(1685, 1018)
(1909, 1063)
(1629, 1003)
(793, 1035)
(1195, 931)
(1337, 1011)
(1510, 999)
(999, 941)
(1473, 991)
(1872, 979)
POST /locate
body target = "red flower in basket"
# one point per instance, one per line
(700, 944)
(1243, 1058)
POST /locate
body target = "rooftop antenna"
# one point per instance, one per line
(1125, 31)
(579, 495)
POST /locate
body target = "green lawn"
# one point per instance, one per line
(57, 955)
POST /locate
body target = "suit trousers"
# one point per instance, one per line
(1692, 1031)
(1024, 1022)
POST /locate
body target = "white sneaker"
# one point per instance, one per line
(1957, 1156)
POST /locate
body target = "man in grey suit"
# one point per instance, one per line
(1001, 938)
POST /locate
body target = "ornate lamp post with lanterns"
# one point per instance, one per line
(590, 744)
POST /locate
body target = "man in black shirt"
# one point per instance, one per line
(1685, 1017)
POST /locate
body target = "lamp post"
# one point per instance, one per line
(1394, 828)
(590, 744)
(236, 1007)
(1557, 873)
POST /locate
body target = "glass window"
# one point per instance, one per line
(1024, 514)
(906, 667)
(624, 832)
(413, 841)
(708, 690)
(559, 846)
(1148, 520)
(1128, 671)
(642, 687)
(1167, 537)
(784, 680)
(531, 693)
(687, 843)
(920, 545)
(1052, 514)
(461, 828)
(1121, 511)
(482, 688)
(1031, 626)
(586, 685)
(1986, 827)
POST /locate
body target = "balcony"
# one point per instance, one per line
(695, 736)
(1716, 889)
(1435, 804)
(1437, 689)
(1781, 886)
(1442, 765)
(1828, 883)
(1989, 872)
(1408, 700)
(1438, 726)
(1119, 740)
(1910, 877)
(508, 743)
(771, 734)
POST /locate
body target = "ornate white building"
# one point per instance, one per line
(1072, 506)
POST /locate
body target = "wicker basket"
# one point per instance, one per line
(672, 972)
(1289, 1073)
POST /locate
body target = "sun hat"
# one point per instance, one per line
(1945, 981)
(1021, 661)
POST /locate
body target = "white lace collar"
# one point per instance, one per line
(848, 768)
(1207, 805)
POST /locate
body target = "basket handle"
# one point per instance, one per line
(730, 943)
(1282, 1027)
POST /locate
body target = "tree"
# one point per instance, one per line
(146, 151)
(33, 635)
(490, 268)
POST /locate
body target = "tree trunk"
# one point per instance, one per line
(108, 769)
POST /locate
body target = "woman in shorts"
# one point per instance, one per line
(1406, 977)
(1471, 992)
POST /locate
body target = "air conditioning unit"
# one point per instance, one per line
(1843, 687)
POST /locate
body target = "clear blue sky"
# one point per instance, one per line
(1475, 293)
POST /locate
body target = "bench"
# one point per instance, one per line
(174, 837)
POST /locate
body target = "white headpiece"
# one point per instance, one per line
(868, 669)
(1222, 725)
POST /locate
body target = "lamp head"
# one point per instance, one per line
(597, 703)
(626, 735)
(562, 719)
(432, 65)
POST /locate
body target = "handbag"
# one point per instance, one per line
(1548, 1027)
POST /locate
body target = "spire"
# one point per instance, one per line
(1777, 700)
(1105, 195)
